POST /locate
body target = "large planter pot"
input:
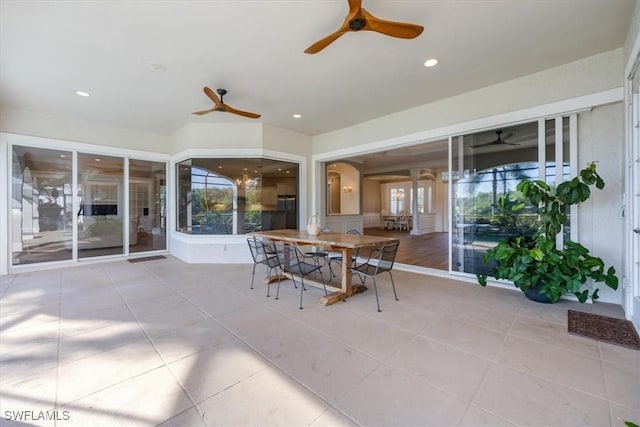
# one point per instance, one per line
(535, 294)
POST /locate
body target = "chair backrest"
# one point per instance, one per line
(386, 257)
(353, 232)
(256, 246)
(261, 252)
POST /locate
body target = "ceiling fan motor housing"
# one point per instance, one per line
(357, 24)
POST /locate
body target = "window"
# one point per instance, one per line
(397, 200)
(220, 196)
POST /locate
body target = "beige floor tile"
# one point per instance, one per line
(553, 333)
(331, 417)
(475, 417)
(373, 337)
(178, 343)
(97, 372)
(326, 366)
(246, 320)
(188, 418)
(465, 336)
(527, 400)
(215, 369)
(216, 306)
(79, 346)
(22, 338)
(620, 414)
(554, 364)
(88, 321)
(28, 361)
(622, 356)
(623, 385)
(34, 393)
(484, 315)
(413, 401)
(437, 364)
(146, 400)
(269, 398)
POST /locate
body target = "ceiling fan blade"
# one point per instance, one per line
(355, 6)
(401, 30)
(507, 136)
(510, 143)
(232, 110)
(211, 94)
(355, 11)
(321, 44)
(199, 113)
(483, 145)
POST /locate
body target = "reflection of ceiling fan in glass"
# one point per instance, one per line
(497, 141)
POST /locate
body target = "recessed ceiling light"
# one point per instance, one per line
(279, 169)
(430, 62)
(288, 171)
(81, 93)
(63, 156)
(297, 116)
(219, 167)
(97, 160)
(157, 67)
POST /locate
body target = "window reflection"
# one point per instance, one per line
(236, 196)
(41, 205)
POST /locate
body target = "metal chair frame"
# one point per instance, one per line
(263, 254)
(379, 261)
(291, 261)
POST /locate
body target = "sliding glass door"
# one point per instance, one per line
(101, 214)
(41, 205)
(486, 168)
(147, 205)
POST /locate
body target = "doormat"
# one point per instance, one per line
(602, 328)
(146, 258)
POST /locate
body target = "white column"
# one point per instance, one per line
(415, 175)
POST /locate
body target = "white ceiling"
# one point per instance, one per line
(254, 49)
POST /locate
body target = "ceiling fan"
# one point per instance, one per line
(219, 105)
(498, 141)
(359, 19)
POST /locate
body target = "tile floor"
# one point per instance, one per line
(171, 344)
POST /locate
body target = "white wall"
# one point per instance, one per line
(216, 135)
(70, 129)
(594, 74)
(600, 222)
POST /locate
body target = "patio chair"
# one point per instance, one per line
(379, 261)
(318, 254)
(263, 254)
(337, 257)
(292, 261)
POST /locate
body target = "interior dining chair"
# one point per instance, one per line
(337, 256)
(379, 261)
(386, 223)
(263, 254)
(292, 261)
(403, 221)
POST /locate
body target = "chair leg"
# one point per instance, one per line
(253, 274)
(375, 287)
(301, 291)
(394, 286)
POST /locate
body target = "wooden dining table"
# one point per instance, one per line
(331, 241)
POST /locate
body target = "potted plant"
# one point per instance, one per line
(534, 263)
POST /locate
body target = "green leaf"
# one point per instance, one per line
(482, 279)
(537, 254)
